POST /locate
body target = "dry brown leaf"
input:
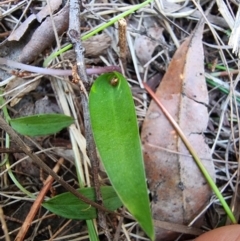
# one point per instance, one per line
(94, 47)
(145, 46)
(179, 191)
(44, 35)
(44, 12)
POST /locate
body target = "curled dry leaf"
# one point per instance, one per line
(179, 190)
(94, 47)
(97, 45)
(145, 46)
(44, 35)
(19, 32)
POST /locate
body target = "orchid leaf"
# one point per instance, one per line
(40, 125)
(69, 206)
(116, 133)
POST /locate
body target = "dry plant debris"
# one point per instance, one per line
(44, 35)
(178, 188)
(174, 21)
(43, 13)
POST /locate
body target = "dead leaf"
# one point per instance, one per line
(94, 47)
(44, 36)
(179, 191)
(145, 46)
(43, 13)
(97, 44)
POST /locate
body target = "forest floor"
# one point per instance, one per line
(145, 51)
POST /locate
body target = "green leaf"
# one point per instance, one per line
(40, 125)
(69, 206)
(115, 130)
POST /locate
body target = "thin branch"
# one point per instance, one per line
(75, 36)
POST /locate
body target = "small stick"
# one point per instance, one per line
(4, 225)
(11, 150)
(75, 37)
(37, 203)
(74, 27)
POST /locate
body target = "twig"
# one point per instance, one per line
(37, 203)
(74, 35)
(178, 227)
(10, 150)
(4, 225)
(74, 27)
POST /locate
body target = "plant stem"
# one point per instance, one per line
(48, 71)
(194, 154)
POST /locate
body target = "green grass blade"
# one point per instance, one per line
(92, 231)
